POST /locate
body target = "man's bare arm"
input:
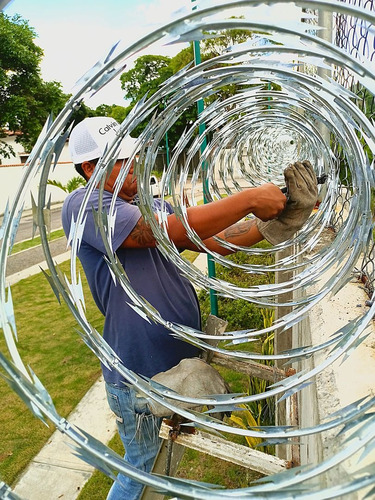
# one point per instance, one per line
(211, 219)
(141, 236)
(244, 233)
(238, 230)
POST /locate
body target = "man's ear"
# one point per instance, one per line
(88, 168)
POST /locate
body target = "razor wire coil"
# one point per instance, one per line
(258, 131)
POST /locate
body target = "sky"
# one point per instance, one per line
(75, 34)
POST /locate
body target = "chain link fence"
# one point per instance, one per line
(357, 38)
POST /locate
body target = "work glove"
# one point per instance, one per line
(302, 193)
(192, 377)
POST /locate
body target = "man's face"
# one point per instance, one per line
(129, 187)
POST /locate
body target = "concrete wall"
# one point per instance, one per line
(11, 178)
(340, 384)
(12, 172)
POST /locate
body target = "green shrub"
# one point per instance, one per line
(71, 185)
(242, 315)
(239, 313)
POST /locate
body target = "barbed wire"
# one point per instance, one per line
(277, 114)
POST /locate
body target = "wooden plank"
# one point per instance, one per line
(249, 367)
(292, 413)
(226, 450)
(283, 342)
(168, 453)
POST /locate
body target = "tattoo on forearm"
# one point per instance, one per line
(239, 229)
(142, 233)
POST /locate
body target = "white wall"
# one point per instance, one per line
(12, 172)
(20, 153)
(339, 384)
(11, 178)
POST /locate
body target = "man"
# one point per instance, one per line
(145, 347)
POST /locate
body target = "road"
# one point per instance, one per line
(27, 258)
(26, 224)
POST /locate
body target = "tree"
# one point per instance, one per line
(83, 112)
(216, 45)
(118, 113)
(221, 40)
(146, 76)
(103, 110)
(114, 111)
(25, 99)
(182, 59)
(151, 71)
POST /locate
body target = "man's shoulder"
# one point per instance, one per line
(76, 194)
(74, 201)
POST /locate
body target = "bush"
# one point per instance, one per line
(239, 313)
(242, 315)
(70, 186)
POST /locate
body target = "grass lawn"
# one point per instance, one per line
(48, 343)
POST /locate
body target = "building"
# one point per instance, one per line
(12, 173)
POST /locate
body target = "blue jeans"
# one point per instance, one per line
(139, 432)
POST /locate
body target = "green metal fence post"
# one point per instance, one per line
(202, 128)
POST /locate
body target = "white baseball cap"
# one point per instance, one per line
(89, 138)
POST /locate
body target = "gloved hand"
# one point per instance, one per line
(302, 189)
(191, 377)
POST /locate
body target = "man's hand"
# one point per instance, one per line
(302, 192)
(269, 201)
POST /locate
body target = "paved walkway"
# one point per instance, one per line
(55, 473)
(32, 257)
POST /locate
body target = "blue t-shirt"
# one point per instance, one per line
(144, 347)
